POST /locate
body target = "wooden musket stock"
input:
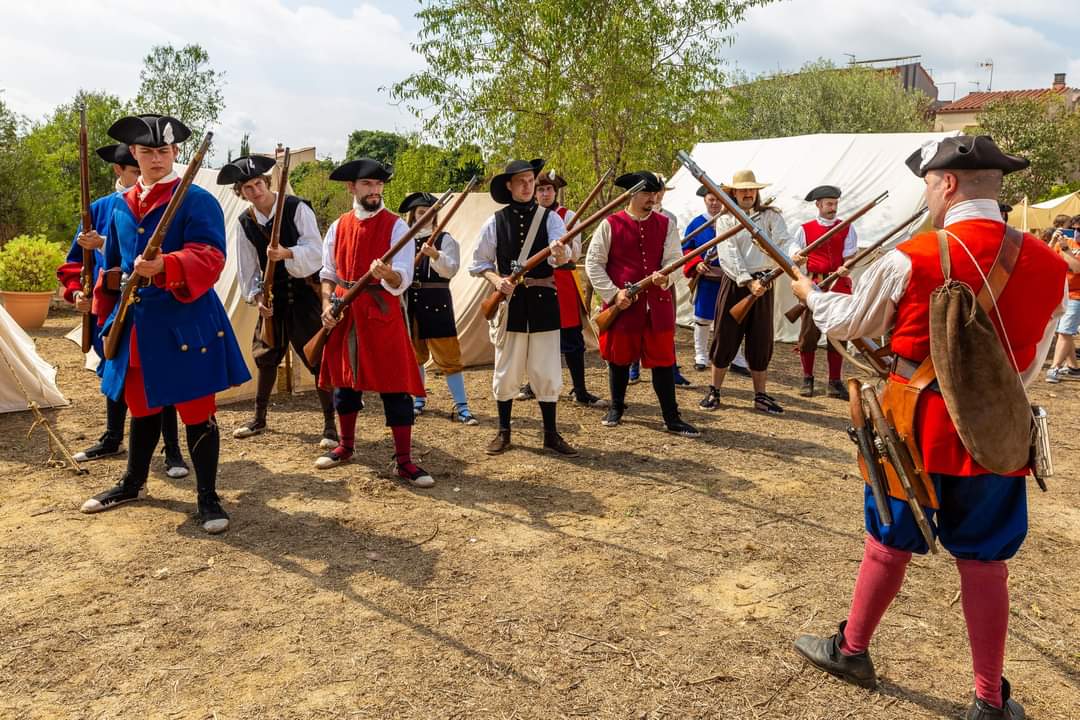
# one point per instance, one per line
(86, 279)
(473, 182)
(275, 241)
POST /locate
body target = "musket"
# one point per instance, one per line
(741, 308)
(693, 281)
(473, 182)
(890, 445)
(153, 247)
(313, 348)
(86, 279)
(861, 433)
(796, 311)
(275, 240)
(759, 235)
(589, 199)
(604, 318)
(878, 358)
(491, 303)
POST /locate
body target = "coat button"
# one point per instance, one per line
(135, 299)
(141, 230)
(184, 348)
(202, 350)
(221, 333)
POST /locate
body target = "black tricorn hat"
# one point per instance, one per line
(362, 169)
(823, 192)
(245, 168)
(499, 192)
(551, 178)
(629, 180)
(149, 130)
(117, 155)
(416, 200)
(963, 152)
(702, 191)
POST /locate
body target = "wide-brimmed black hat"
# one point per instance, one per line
(499, 192)
(149, 130)
(245, 168)
(416, 200)
(362, 169)
(117, 155)
(629, 180)
(551, 178)
(964, 152)
(823, 192)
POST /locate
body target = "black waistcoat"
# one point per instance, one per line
(532, 309)
(259, 237)
(431, 308)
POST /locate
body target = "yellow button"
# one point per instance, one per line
(221, 333)
(141, 230)
(184, 348)
(202, 350)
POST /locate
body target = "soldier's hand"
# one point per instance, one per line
(798, 258)
(622, 300)
(429, 250)
(82, 303)
(266, 312)
(328, 319)
(90, 240)
(758, 288)
(843, 271)
(660, 280)
(506, 287)
(802, 287)
(701, 268)
(277, 254)
(560, 252)
(149, 268)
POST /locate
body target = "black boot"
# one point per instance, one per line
(837, 390)
(109, 443)
(825, 654)
(663, 382)
(982, 710)
(175, 467)
(330, 439)
(807, 387)
(575, 363)
(618, 379)
(143, 438)
(204, 444)
(266, 380)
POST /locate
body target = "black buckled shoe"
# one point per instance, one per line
(824, 653)
(711, 401)
(588, 399)
(807, 387)
(613, 418)
(103, 448)
(125, 491)
(982, 710)
(678, 426)
(554, 441)
(837, 390)
(212, 516)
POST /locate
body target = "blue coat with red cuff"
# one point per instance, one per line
(101, 211)
(183, 342)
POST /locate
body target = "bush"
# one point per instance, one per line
(28, 264)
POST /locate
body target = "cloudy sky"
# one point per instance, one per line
(307, 72)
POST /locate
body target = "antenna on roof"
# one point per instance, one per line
(851, 58)
(989, 64)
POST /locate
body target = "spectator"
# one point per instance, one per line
(1064, 240)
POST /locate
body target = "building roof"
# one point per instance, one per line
(978, 100)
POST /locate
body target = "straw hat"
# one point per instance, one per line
(744, 180)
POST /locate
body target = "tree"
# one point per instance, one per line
(329, 198)
(428, 168)
(181, 83)
(587, 85)
(821, 98)
(13, 171)
(376, 144)
(245, 145)
(1043, 131)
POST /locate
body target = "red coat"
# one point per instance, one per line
(374, 338)
(827, 258)
(637, 251)
(1033, 292)
(566, 289)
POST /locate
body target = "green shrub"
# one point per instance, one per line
(28, 264)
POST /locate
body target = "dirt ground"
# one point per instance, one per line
(652, 577)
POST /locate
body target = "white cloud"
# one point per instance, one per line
(300, 76)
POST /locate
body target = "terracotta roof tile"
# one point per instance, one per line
(979, 100)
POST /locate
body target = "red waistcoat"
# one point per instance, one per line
(1030, 297)
(637, 250)
(830, 256)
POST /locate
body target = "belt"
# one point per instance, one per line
(904, 368)
(371, 288)
(548, 282)
(430, 285)
(568, 266)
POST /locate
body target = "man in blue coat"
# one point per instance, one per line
(176, 346)
(127, 173)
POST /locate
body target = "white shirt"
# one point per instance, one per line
(600, 246)
(871, 308)
(484, 254)
(740, 256)
(449, 260)
(402, 262)
(144, 190)
(307, 253)
(851, 241)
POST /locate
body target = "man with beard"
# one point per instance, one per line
(822, 261)
(430, 307)
(177, 347)
(126, 171)
(526, 330)
(627, 247)
(296, 309)
(744, 264)
(368, 348)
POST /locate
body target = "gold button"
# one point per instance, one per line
(184, 348)
(141, 230)
(202, 350)
(221, 333)
(136, 299)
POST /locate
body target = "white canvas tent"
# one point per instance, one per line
(31, 372)
(863, 165)
(1041, 215)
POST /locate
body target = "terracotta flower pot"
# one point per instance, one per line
(28, 309)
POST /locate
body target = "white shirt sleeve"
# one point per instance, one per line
(870, 309)
(596, 262)
(1032, 371)
(483, 258)
(672, 245)
(798, 241)
(449, 260)
(329, 267)
(307, 253)
(556, 228)
(402, 262)
(851, 242)
(248, 272)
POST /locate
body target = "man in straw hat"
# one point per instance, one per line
(526, 330)
(296, 309)
(744, 264)
(982, 516)
(370, 351)
(177, 347)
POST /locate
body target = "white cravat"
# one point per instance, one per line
(144, 190)
(981, 209)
